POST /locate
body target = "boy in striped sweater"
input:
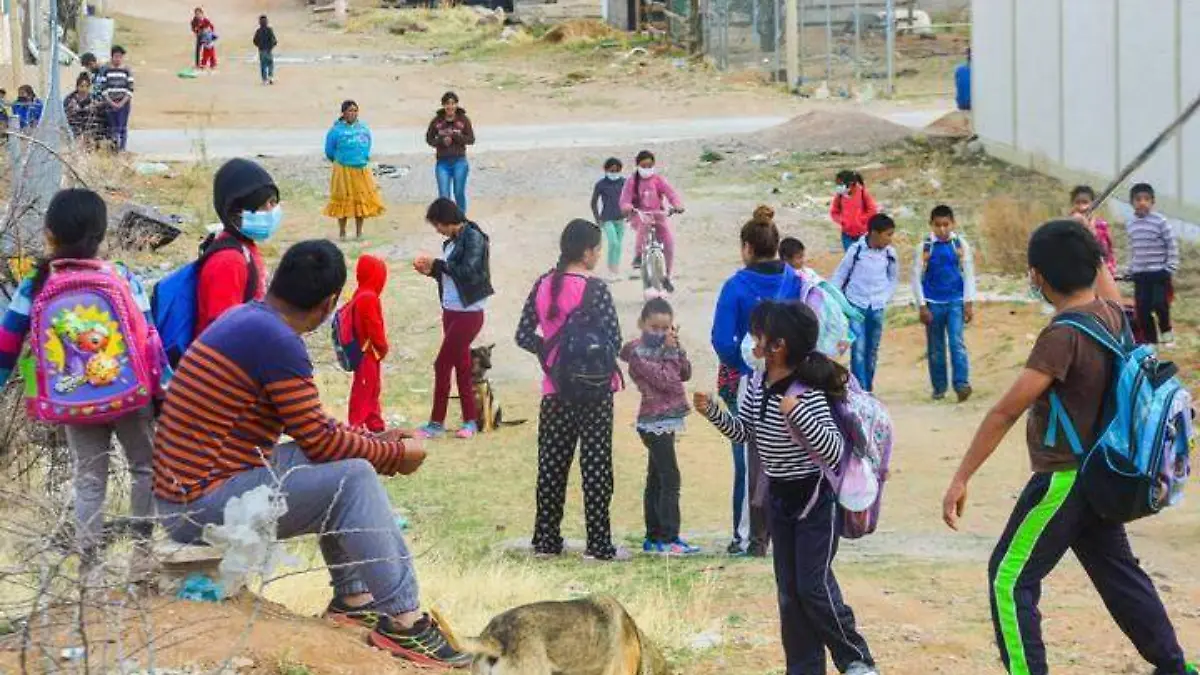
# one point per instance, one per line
(245, 382)
(1153, 260)
(114, 84)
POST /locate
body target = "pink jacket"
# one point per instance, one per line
(653, 194)
(1104, 237)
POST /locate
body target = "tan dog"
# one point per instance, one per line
(590, 636)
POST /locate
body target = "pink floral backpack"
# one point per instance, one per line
(93, 357)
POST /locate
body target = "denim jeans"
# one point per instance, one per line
(848, 241)
(741, 492)
(947, 323)
(865, 352)
(452, 180)
(266, 65)
(343, 502)
(118, 125)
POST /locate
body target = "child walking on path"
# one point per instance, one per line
(606, 209)
(1153, 260)
(1052, 514)
(365, 311)
(813, 614)
(265, 42)
(555, 297)
(943, 286)
(208, 50)
(868, 276)
(646, 198)
(852, 207)
(1081, 200)
(76, 222)
(659, 366)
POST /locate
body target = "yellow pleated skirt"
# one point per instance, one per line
(353, 194)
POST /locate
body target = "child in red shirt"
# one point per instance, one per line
(852, 207)
(366, 312)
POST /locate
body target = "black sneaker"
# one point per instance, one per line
(637, 262)
(964, 393)
(425, 644)
(736, 548)
(352, 617)
(668, 286)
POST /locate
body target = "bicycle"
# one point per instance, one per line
(653, 255)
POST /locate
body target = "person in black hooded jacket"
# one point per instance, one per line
(464, 284)
(246, 200)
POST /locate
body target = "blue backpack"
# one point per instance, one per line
(173, 303)
(1140, 460)
(346, 347)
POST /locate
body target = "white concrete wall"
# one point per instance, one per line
(1077, 88)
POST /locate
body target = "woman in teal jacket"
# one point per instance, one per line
(352, 189)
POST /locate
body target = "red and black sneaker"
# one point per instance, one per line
(425, 644)
(351, 617)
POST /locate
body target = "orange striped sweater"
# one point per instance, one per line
(244, 383)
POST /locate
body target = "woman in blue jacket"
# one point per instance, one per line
(352, 189)
(764, 277)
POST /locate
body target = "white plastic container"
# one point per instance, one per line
(98, 36)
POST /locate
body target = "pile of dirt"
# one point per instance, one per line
(843, 131)
(955, 124)
(253, 636)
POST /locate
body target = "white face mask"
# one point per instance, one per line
(842, 189)
(644, 172)
(748, 353)
(613, 175)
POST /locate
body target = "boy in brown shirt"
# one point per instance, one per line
(1052, 514)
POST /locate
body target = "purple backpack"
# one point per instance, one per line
(859, 477)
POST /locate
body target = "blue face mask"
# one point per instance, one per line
(613, 176)
(262, 225)
(653, 340)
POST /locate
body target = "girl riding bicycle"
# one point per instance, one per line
(649, 199)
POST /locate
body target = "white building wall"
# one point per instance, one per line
(1077, 88)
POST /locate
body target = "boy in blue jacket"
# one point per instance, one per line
(943, 286)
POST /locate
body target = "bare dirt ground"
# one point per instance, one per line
(918, 590)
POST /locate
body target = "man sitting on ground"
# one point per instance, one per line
(242, 384)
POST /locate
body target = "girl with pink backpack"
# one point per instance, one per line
(791, 416)
(94, 363)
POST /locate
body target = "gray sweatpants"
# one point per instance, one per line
(91, 446)
(342, 502)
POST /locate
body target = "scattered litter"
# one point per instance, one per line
(247, 539)
(679, 64)
(72, 654)
(187, 74)
(822, 92)
(509, 33)
(709, 639)
(401, 521)
(756, 159)
(392, 171)
(787, 176)
(871, 166)
(151, 169)
(935, 184)
(636, 51)
(141, 228)
(200, 588)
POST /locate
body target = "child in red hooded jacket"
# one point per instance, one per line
(366, 312)
(852, 207)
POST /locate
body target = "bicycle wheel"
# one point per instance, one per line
(654, 268)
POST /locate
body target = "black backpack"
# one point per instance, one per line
(586, 358)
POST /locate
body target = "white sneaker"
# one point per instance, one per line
(1168, 340)
(860, 668)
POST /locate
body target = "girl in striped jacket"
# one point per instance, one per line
(779, 425)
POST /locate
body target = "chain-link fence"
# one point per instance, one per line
(844, 45)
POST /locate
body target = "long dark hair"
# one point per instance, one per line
(78, 221)
(637, 176)
(578, 237)
(795, 325)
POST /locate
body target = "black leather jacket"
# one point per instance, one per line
(468, 265)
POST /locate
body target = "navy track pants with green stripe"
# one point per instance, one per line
(1051, 516)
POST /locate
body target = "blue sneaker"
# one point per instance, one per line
(430, 430)
(468, 430)
(679, 547)
(651, 547)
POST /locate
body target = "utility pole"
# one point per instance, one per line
(891, 47)
(339, 10)
(792, 38)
